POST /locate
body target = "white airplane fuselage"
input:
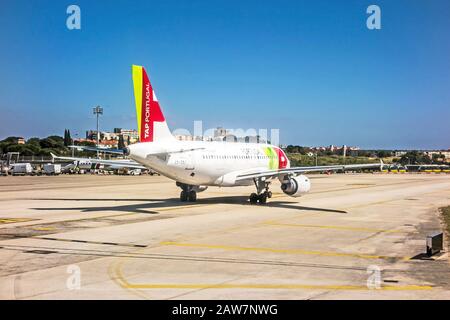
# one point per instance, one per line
(211, 163)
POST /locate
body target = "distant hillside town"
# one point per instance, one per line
(221, 134)
(117, 139)
(123, 137)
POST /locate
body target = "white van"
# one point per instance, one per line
(21, 169)
(52, 169)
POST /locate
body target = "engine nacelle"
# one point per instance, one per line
(296, 186)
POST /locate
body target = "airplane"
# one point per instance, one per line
(88, 163)
(93, 164)
(80, 165)
(197, 165)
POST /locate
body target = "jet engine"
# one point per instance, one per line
(296, 186)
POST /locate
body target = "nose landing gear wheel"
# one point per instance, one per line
(253, 198)
(262, 198)
(262, 191)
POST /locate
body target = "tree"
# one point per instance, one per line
(414, 157)
(52, 142)
(59, 140)
(35, 149)
(11, 140)
(297, 149)
(21, 148)
(33, 141)
(383, 153)
(438, 158)
(67, 139)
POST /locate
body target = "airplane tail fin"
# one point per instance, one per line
(151, 123)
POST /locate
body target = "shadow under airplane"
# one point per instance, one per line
(148, 206)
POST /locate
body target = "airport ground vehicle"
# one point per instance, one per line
(135, 172)
(21, 169)
(4, 168)
(52, 169)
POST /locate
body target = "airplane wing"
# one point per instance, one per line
(123, 151)
(106, 150)
(130, 164)
(298, 170)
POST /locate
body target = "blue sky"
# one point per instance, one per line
(310, 68)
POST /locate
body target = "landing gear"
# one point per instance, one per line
(192, 196)
(262, 189)
(188, 193)
(183, 196)
(262, 198)
(253, 198)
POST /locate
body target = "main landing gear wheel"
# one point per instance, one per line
(188, 193)
(183, 196)
(192, 196)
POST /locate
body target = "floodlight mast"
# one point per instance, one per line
(98, 111)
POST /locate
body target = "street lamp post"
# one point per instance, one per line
(98, 111)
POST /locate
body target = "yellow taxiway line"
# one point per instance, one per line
(115, 272)
(14, 220)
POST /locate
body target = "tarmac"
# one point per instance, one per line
(354, 236)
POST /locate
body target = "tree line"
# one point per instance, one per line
(410, 157)
(40, 146)
(339, 151)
